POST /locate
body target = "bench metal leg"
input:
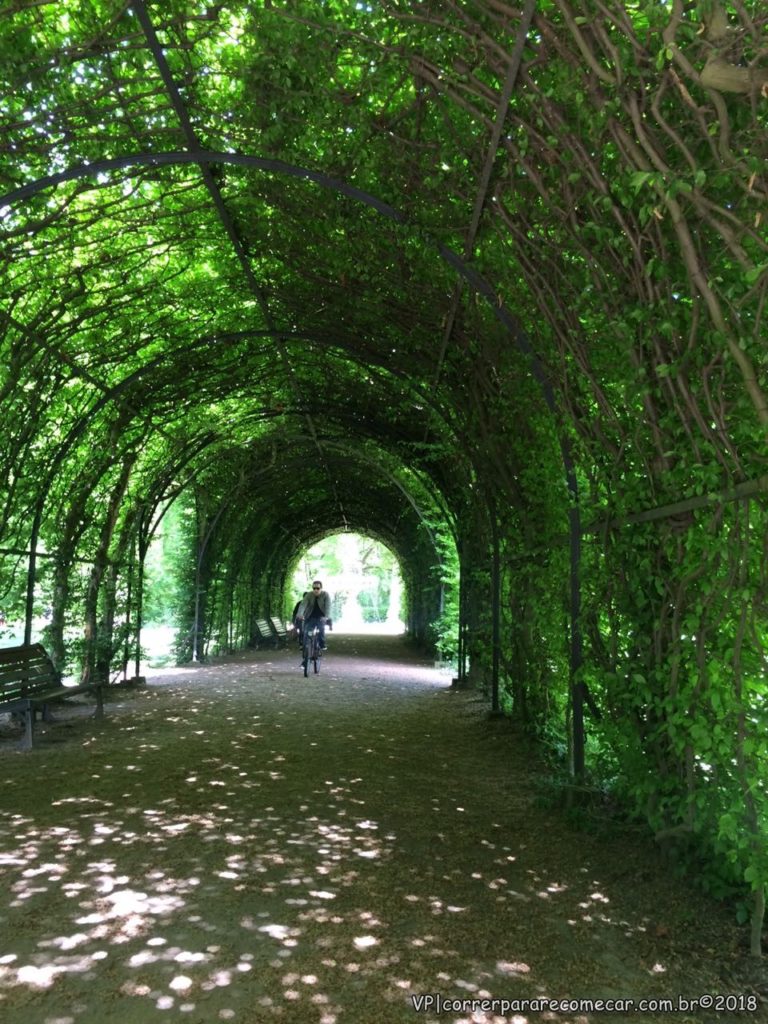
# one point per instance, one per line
(26, 740)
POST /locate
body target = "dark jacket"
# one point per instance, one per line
(308, 604)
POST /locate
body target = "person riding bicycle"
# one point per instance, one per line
(315, 608)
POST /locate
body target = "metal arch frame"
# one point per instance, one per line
(386, 489)
(202, 157)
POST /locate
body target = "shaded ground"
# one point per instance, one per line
(239, 843)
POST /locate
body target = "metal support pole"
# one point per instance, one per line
(495, 611)
(577, 687)
(29, 606)
(460, 658)
(128, 599)
(143, 545)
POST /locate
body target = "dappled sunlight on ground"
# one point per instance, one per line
(239, 843)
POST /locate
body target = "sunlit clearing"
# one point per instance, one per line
(364, 581)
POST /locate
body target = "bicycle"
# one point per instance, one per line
(310, 649)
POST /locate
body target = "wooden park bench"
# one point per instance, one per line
(279, 630)
(263, 634)
(29, 682)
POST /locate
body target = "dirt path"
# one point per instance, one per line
(239, 844)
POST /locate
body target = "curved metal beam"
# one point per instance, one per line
(200, 156)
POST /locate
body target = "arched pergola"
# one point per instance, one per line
(473, 277)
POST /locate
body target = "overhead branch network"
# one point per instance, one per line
(485, 176)
(194, 146)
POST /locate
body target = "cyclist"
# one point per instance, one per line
(315, 608)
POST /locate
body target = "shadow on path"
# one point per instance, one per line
(237, 843)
